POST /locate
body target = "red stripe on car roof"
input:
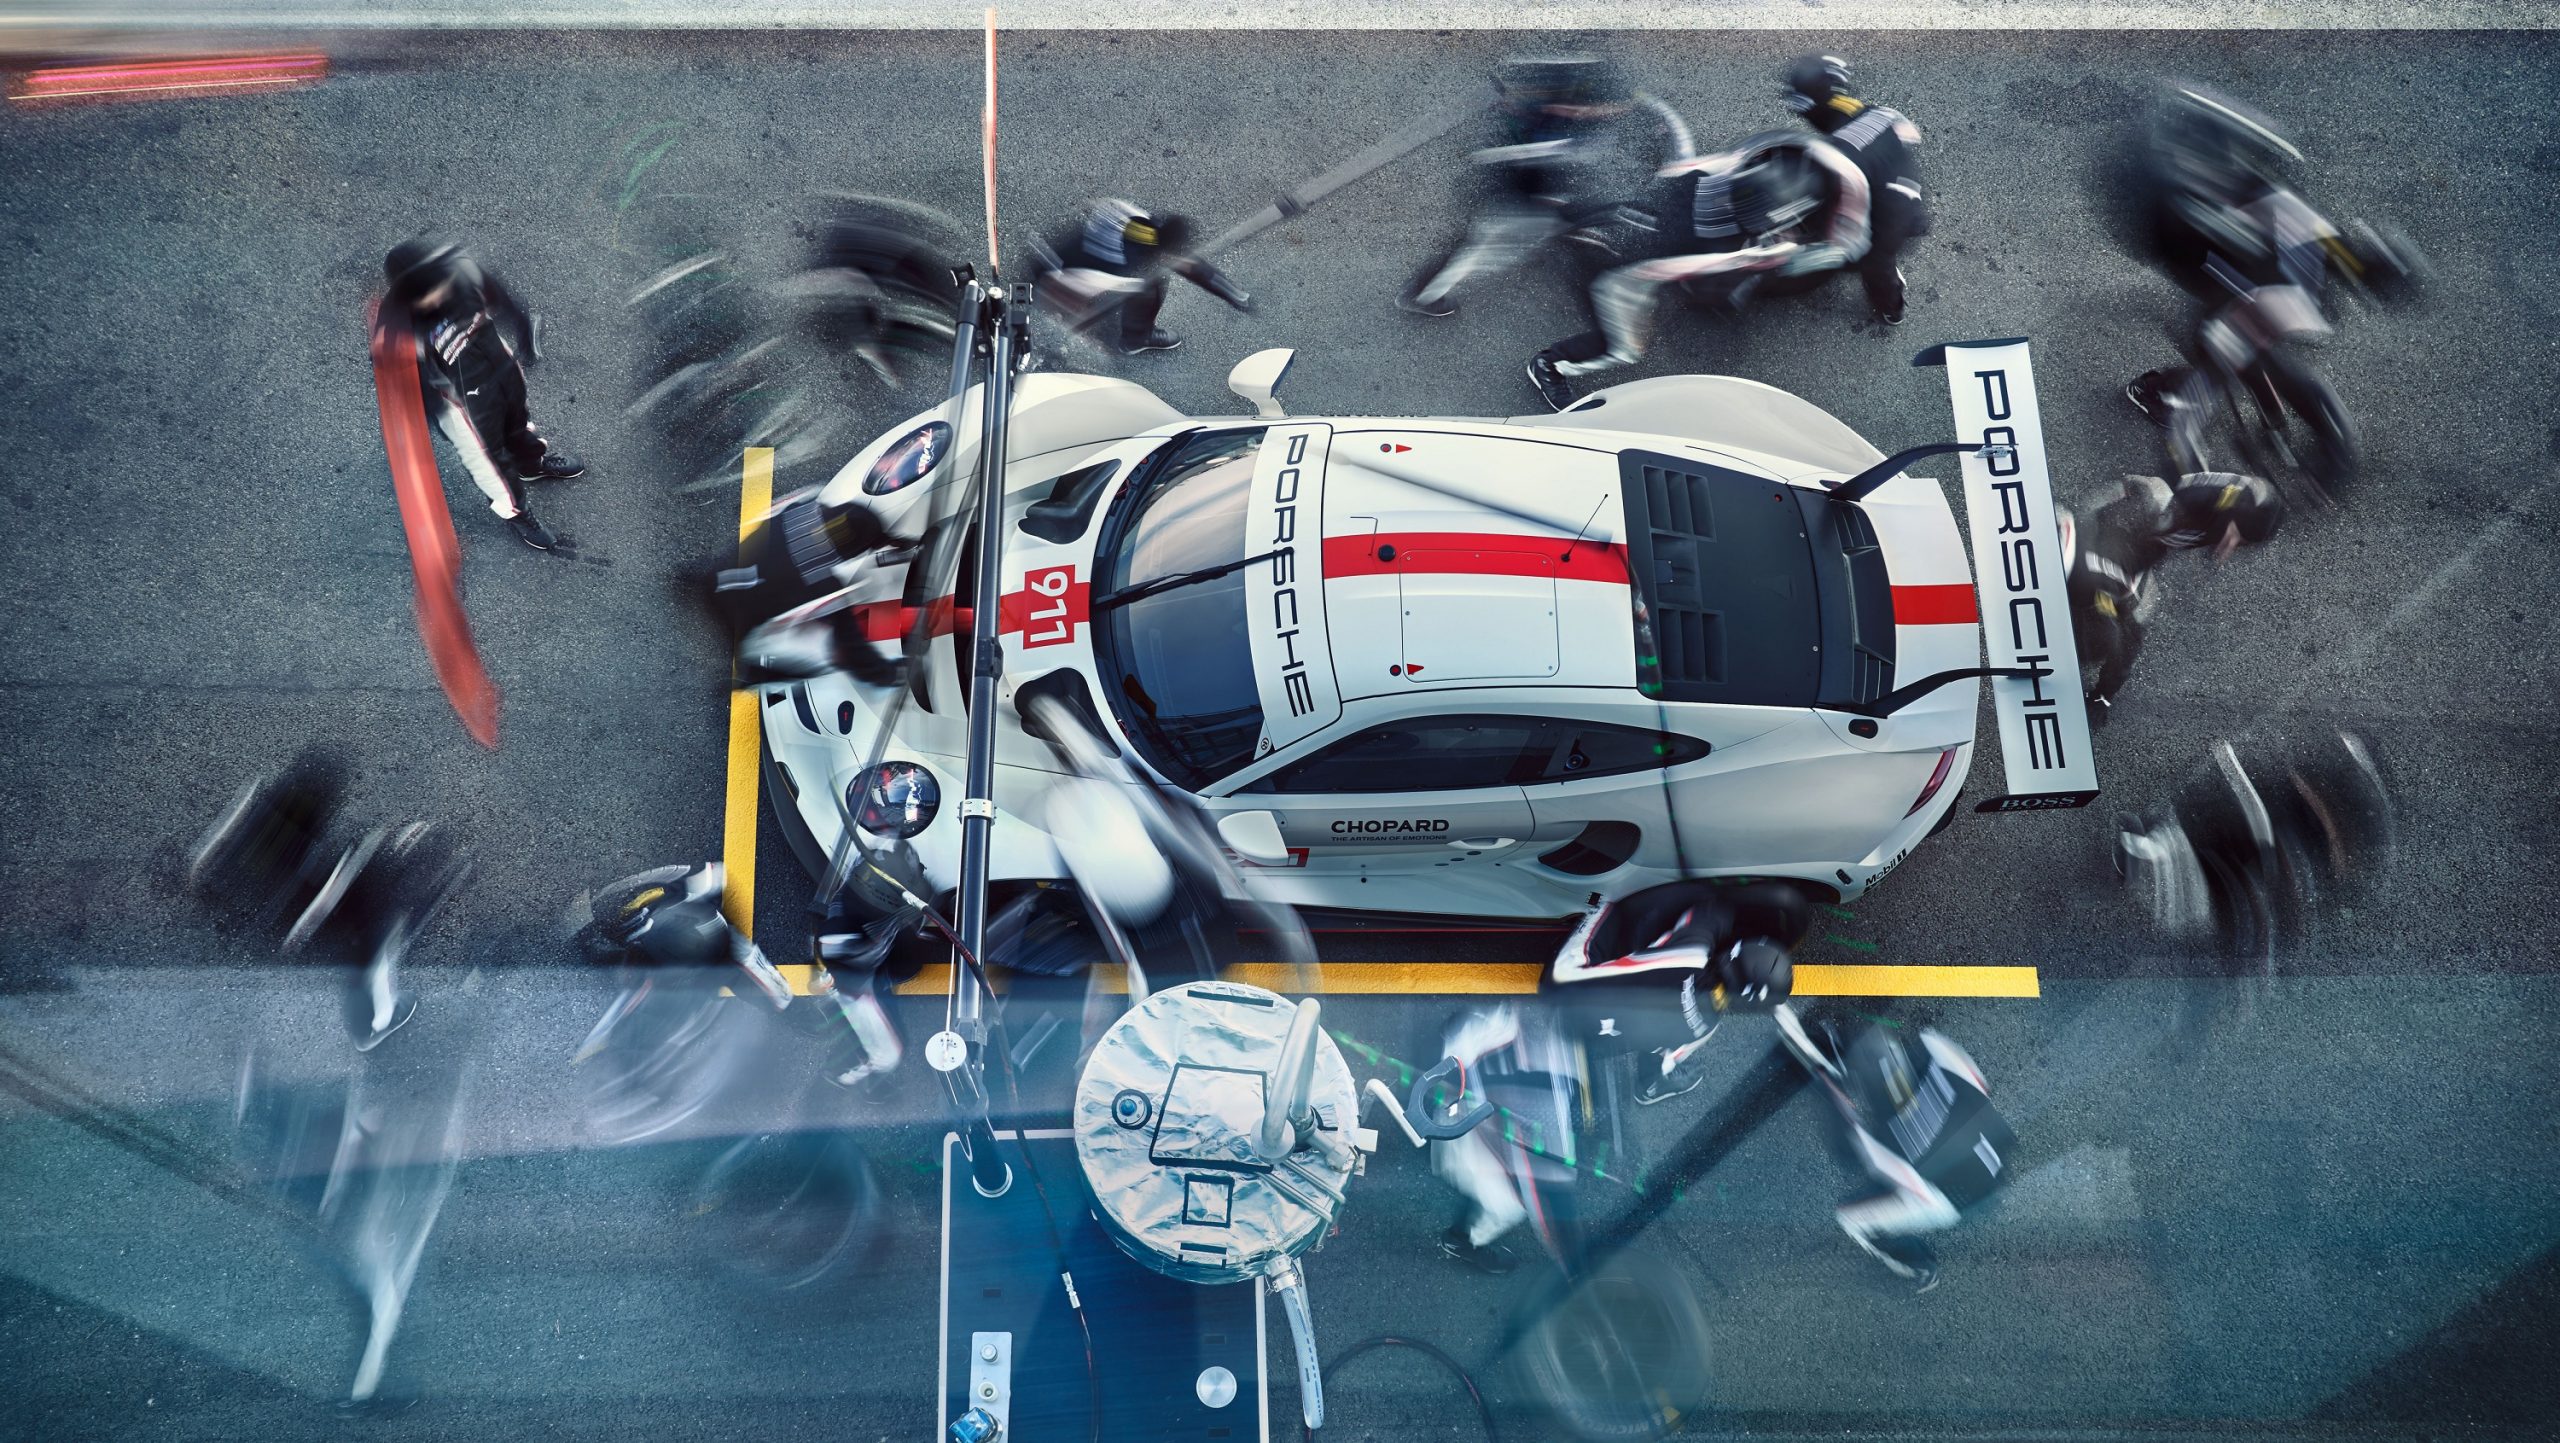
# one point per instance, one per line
(1474, 553)
(1934, 606)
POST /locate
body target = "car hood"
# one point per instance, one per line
(1457, 558)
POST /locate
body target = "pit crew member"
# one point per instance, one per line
(461, 314)
(1885, 146)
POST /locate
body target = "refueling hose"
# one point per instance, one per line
(1484, 1410)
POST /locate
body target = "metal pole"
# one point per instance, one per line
(967, 1007)
(977, 810)
(1858, 487)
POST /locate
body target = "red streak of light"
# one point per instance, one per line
(171, 75)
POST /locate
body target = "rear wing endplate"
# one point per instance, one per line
(2021, 575)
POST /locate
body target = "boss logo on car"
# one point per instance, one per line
(1391, 826)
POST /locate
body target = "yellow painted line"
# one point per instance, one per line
(746, 737)
(1442, 979)
(1828, 979)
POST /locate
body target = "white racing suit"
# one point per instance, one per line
(1472, 1164)
(1640, 975)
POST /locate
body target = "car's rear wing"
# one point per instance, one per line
(2022, 576)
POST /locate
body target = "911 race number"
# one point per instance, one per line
(1049, 615)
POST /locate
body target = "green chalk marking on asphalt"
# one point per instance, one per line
(1850, 942)
(1843, 913)
(640, 168)
(1879, 1021)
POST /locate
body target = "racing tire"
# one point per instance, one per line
(786, 1210)
(1623, 1356)
(669, 1058)
(879, 287)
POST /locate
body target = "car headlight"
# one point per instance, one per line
(908, 460)
(893, 799)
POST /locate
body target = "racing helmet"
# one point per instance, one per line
(1174, 233)
(422, 263)
(1754, 974)
(1817, 82)
(1776, 191)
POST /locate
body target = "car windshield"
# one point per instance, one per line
(1177, 666)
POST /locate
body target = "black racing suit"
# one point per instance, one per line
(1118, 254)
(467, 360)
(1697, 241)
(1540, 169)
(1885, 147)
(2129, 537)
(1920, 1123)
(1613, 1000)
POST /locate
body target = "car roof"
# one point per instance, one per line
(1461, 554)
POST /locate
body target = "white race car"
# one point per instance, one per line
(1490, 668)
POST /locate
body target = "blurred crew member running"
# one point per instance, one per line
(1559, 123)
(1654, 974)
(1920, 1121)
(461, 313)
(1785, 205)
(1885, 145)
(2112, 558)
(1115, 258)
(277, 861)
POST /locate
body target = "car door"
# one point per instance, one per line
(1598, 791)
(1408, 795)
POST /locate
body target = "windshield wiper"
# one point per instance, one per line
(1163, 584)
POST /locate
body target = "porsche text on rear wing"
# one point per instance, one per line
(2019, 572)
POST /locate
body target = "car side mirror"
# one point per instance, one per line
(1256, 378)
(1254, 836)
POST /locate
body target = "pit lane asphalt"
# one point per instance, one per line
(204, 570)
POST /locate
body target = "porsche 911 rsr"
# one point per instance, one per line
(1493, 668)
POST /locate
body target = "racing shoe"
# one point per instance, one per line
(1891, 314)
(557, 465)
(2129, 833)
(533, 533)
(1158, 340)
(1495, 1258)
(1412, 303)
(1909, 1259)
(1550, 382)
(401, 1011)
(2149, 393)
(1664, 1086)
